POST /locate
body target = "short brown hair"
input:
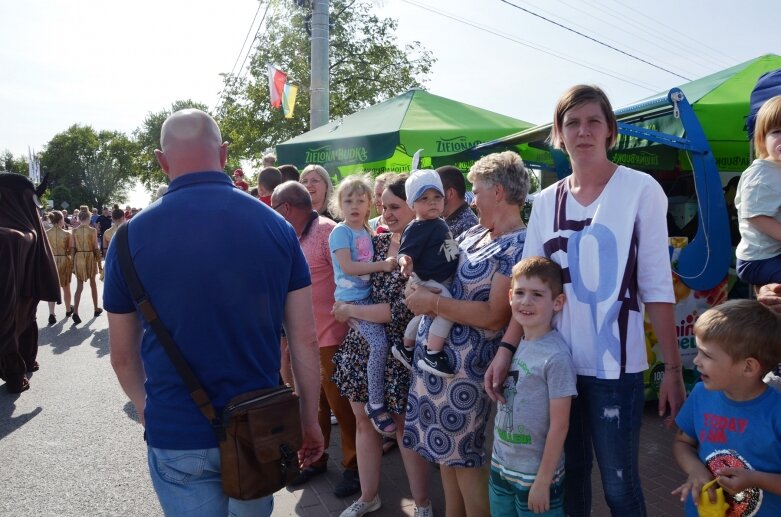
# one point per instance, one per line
(289, 172)
(574, 98)
(543, 268)
(269, 178)
(452, 177)
(743, 329)
(55, 216)
(768, 118)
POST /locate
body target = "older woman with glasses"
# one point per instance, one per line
(317, 181)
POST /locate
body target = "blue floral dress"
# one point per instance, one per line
(446, 418)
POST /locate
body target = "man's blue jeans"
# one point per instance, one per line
(188, 482)
(608, 414)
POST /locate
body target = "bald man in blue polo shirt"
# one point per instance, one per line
(223, 292)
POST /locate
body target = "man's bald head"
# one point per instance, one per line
(293, 193)
(190, 141)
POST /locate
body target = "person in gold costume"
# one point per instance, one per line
(60, 241)
(86, 262)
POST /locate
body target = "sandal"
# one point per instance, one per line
(381, 420)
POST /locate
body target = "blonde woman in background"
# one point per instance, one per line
(86, 262)
(60, 241)
(320, 187)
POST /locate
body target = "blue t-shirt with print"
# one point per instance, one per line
(350, 288)
(743, 434)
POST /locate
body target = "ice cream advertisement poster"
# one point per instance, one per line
(689, 304)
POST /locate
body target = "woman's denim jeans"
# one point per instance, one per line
(606, 413)
(188, 482)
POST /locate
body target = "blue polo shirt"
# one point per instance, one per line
(220, 290)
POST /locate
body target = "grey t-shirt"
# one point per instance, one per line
(541, 370)
(759, 193)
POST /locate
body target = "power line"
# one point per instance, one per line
(221, 96)
(533, 46)
(717, 52)
(673, 44)
(657, 42)
(249, 31)
(593, 39)
(254, 39)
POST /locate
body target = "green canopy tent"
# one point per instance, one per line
(384, 137)
(720, 101)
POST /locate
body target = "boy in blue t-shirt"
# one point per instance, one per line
(730, 426)
(527, 464)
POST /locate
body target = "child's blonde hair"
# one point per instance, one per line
(768, 118)
(543, 268)
(352, 185)
(743, 329)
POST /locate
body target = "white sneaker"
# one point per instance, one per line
(359, 507)
(424, 511)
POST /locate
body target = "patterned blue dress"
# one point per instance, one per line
(446, 418)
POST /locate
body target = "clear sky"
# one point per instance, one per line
(108, 64)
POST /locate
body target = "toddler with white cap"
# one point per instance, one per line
(429, 256)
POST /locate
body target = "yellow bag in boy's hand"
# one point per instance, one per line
(708, 509)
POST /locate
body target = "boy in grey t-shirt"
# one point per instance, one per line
(527, 465)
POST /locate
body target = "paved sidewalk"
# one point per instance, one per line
(71, 446)
(659, 472)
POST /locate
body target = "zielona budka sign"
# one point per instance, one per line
(455, 144)
(359, 154)
(327, 154)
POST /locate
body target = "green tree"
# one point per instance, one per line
(88, 167)
(10, 164)
(367, 65)
(147, 137)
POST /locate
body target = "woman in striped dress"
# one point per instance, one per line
(86, 262)
(60, 241)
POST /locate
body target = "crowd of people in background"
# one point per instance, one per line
(543, 322)
(79, 242)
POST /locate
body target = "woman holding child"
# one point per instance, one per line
(446, 417)
(351, 377)
(605, 226)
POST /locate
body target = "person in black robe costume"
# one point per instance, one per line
(28, 275)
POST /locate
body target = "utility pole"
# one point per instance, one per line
(320, 74)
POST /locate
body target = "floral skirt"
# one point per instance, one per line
(350, 374)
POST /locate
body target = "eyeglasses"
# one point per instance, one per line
(274, 207)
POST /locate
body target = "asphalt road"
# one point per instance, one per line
(71, 446)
